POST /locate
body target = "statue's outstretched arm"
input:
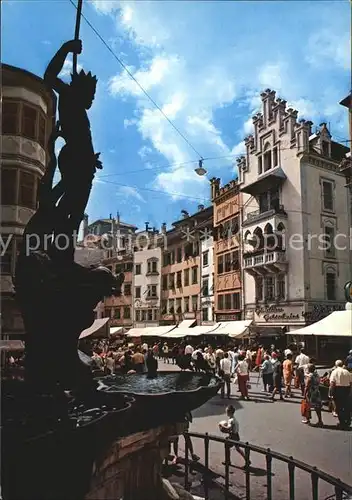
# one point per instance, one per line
(56, 64)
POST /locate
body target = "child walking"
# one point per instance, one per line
(231, 427)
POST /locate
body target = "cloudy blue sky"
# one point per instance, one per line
(204, 64)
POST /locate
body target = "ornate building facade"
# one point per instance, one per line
(180, 273)
(28, 115)
(227, 250)
(295, 224)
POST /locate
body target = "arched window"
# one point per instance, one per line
(258, 239)
(270, 237)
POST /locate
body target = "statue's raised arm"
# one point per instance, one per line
(56, 64)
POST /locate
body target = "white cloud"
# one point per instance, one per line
(326, 47)
(191, 76)
(144, 151)
(130, 191)
(270, 76)
(238, 149)
(148, 77)
(68, 68)
(128, 123)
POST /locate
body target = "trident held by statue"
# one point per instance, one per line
(77, 29)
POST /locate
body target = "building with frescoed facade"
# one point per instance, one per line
(180, 272)
(28, 116)
(227, 251)
(294, 205)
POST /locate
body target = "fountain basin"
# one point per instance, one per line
(54, 460)
(163, 399)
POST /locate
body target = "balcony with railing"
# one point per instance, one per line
(273, 216)
(266, 262)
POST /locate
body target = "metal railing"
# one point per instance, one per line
(343, 491)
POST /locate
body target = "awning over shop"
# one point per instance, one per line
(150, 331)
(116, 330)
(187, 323)
(137, 332)
(196, 331)
(233, 328)
(98, 329)
(337, 324)
(160, 331)
(11, 345)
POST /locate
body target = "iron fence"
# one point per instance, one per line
(342, 490)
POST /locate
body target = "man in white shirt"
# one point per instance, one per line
(232, 358)
(340, 390)
(301, 362)
(188, 350)
(210, 358)
(287, 352)
(225, 371)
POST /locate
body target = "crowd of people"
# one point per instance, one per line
(281, 371)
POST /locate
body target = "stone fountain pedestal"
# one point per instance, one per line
(130, 468)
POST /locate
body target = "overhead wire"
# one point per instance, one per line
(137, 83)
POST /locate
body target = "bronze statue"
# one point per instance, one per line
(57, 297)
(77, 160)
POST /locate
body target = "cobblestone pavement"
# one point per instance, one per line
(277, 426)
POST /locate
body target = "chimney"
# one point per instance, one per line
(110, 216)
(146, 226)
(163, 228)
(85, 225)
(200, 208)
(118, 217)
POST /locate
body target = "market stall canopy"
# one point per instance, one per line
(98, 329)
(187, 323)
(337, 324)
(196, 331)
(137, 332)
(150, 331)
(233, 328)
(11, 345)
(116, 330)
(160, 331)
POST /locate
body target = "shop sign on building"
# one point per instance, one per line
(278, 314)
(316, 312)
(227, 317)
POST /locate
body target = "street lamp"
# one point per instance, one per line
(200, 170)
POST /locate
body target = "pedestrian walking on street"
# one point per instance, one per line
(340, 391)
(243, 376)
(312, 395)
(267, 374)
(232, 428)
(287, 368)
(277, 376)
(225, 370)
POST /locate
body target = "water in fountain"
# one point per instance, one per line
(165, 382)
